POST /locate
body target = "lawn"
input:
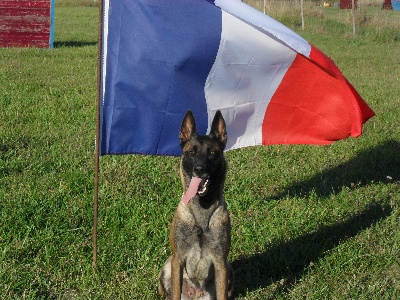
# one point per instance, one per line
(307, 222)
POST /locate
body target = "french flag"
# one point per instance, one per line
(161, 58)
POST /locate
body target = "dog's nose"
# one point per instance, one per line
(199, 169)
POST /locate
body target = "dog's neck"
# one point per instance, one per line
(202, 209)
(206, 202)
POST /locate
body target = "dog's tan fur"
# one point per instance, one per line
(200, 230)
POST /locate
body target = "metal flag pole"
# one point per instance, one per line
(97, 144)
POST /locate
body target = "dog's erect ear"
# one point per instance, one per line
(218, 129)
(188, 128)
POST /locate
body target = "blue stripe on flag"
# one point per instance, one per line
(159, 54)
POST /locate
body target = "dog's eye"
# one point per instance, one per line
(192, 152)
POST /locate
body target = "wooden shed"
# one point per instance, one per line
(391, 4)
(27, 23)
(346, 4)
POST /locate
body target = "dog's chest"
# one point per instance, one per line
(199, 259)
(201, 238)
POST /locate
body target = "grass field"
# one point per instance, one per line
(308, 222)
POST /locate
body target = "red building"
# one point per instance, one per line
(346, 4)
(27, 23)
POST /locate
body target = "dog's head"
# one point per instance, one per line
(203, 155)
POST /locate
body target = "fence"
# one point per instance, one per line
(327, 16)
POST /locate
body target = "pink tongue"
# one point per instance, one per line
(192, 189)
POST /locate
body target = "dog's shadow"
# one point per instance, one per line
(287, 261)
(377, 164)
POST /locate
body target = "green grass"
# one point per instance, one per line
(308, 222)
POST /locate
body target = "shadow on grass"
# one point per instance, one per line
(72, 44)
(287, 261)
(377, 164)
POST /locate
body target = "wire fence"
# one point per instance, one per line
(264, 5)
(328, 16)
(318, 15)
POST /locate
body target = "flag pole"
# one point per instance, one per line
(97, 142)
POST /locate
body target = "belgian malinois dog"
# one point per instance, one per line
(200, 230)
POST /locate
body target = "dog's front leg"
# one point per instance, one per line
(221, 279)
(176, 277)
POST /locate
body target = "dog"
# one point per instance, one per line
(200, 231)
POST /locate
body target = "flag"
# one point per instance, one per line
(161, 58)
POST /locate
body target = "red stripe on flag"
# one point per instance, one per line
(319, 57)
(323, 61)
(314, 104)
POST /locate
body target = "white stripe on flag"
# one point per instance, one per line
(266, 24)
(106, 7)
(247, 71)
